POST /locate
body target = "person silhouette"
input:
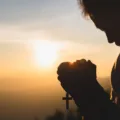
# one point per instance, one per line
(79, 79)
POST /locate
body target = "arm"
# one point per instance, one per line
(79, 80)
(97, 106)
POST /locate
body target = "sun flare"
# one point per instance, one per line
(45, 52)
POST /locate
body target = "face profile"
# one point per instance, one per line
(109, 22)
(105, 16)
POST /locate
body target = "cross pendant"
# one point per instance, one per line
(67, 98)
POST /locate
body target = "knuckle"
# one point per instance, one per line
(82, 61)
(63, 64)
(62, 67)
(92, 64)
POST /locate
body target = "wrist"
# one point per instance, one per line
(95, 97)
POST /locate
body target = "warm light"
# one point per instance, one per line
(45, 52)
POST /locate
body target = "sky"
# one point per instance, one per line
(25, 23)
(22, 21)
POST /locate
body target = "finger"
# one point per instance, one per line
(91, 64)
(82, 61)
(80, 64)
(63, 78)
(65, 88)
(63, 67)
(66, 78)
(92, 69)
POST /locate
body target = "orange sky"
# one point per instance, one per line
(19, 58)
(78, 38)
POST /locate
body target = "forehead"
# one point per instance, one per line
(98, 6)
(106, 17)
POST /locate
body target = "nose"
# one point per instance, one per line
(113, 36)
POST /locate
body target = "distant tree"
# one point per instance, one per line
(36, 118)
(58, 115)
(71, 116)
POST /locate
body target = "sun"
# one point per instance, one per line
(45, 52)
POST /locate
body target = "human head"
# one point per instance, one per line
(106, 16)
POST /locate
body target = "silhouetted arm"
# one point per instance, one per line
(97, 105)
(79, 80)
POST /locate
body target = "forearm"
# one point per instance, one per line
(79, 80)
(96, 105)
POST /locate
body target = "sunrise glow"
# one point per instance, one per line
(45, 52)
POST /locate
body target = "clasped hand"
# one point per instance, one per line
(78, 79)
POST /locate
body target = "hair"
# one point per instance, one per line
(84, 7)
(91, 7)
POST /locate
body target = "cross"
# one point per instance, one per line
(67, 98)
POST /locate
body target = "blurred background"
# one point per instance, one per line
(35, 37)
